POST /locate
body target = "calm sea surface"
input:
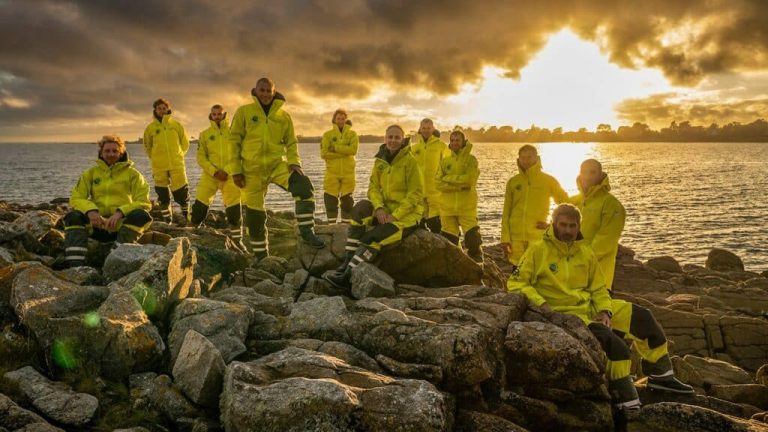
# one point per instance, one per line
(681, 199)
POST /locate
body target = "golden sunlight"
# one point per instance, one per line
(562, 161)
(569, 84)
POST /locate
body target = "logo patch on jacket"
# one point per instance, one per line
(518, 187)
(448, 167)
(213, 137)
(553, 267)
(157, 131)
(97, 180)
(255, 119)
(334, 139)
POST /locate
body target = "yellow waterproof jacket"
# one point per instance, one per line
(395, 185)
(565, 276)
(602, 221)
(213, 150)
(457, 181)
(108, 189)
(165, 143)
(260, 141)
(340, 162)
(526, 202)
(428, 154)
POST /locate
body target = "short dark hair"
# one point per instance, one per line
(161, 101)
(567, 210)
(528, 147)
(217, 106)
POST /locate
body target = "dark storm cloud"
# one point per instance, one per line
(659, 110)
(67, 61)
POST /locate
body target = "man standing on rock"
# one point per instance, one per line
(166, 143)
(561, 274)
(393, 208)
(215, 156)
(603, 216)
(109, 203)
(266, 151)
(526, 204)
(429, 150)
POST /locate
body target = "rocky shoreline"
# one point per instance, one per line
(179, 333)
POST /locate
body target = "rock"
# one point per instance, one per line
(263, 394)
(544, 355)
(6, 257)
(36, 223)
(471, 421)
(168, 399)
(431, 373)
(430, 260)
(10, 231)
(368, 281)
(761, 376)
(54, 400)
(41, 300)
(752, 394)
(127, 258)
(225, 325)
(16, 418)
(7, 276)
(218, 258)
(670, 416)
(705, 372)
(746, 340)
(274, 265)
(318, 261)
(82, 275)
(723, 260)
(199, 370)
(164, 280)
(664, 263)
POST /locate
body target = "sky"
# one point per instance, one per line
(73, 71)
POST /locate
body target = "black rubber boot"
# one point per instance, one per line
(181, 196)
(341, 279)
(235, 227)
(354, 234)
(198, 213)
(127, 235)
(661, 376)
(624, 393)
(473, 240)
(331, 207)
(256, 224)
(433, 224)
(451, 238)
(164, 202)
(305, 219)
(75, 239)
(346, 204)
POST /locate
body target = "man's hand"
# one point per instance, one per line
(604, 318)
(507, 248)
(295, 168)
(541, 225)
(111, 223)
(221, 175)
(239, 180)
(95, 218)
(382, 216)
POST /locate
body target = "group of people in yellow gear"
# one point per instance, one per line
(564, 264)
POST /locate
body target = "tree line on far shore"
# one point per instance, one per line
(757, 131)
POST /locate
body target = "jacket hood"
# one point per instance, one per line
(603, 185)
(535, 168)
(278, 96)
(467, 149)
(223, 125)
(277, 102)
(386, 156)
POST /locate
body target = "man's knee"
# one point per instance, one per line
(300, 186)
(138, 218)
(75, 218)
(379, 233)
(362, 210)
(614, 346)
(643, 325)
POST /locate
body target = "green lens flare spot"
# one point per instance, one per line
(91, 319)
(146, 298)
(63, 353)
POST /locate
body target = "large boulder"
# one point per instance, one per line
(430, 260)
(746, 340)
(7, 276)
(218, 257)
(10, 231)
(16, 418)
(705, 372)
(225, 325)
(752, 394)
(317, 261)
(37, 223)
(127, 258)
(199, 370)
(164, 280)
(54, 400)
(263, 395)
(724, 261)
(671, 416)
(665, 263)
(368, 281)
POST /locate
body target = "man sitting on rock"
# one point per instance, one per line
(393, 208)
(110, 203)
(561, 274)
